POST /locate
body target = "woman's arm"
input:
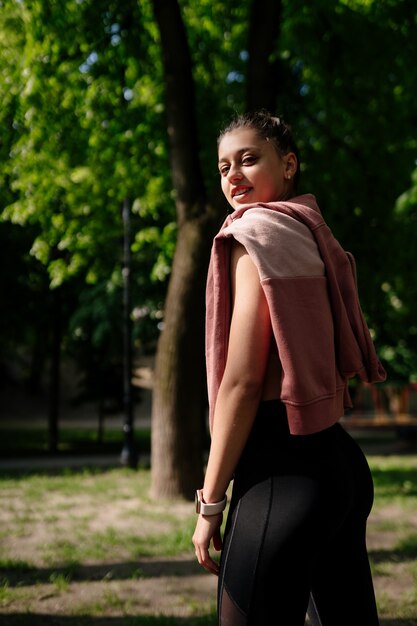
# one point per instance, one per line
(239, 393)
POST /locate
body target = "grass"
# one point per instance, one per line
(406, 548)
(92, 573)
(393, 521)
(394, 474)
(33, 493)
(89, 547)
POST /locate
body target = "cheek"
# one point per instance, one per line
(224, 184)
(278, 182)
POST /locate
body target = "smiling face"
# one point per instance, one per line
(252, 170)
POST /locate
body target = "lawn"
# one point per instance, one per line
(89, 547)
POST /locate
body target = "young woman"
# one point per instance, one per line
(284, 333)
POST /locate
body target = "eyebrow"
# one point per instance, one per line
(241, 151)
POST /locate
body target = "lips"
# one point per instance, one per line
(240, 190)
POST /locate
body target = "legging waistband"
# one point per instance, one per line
(271, 420)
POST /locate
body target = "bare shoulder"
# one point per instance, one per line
(244, 274)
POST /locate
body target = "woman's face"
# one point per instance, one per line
(251, 169)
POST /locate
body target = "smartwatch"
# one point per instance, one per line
(206, 508)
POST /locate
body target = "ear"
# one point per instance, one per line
(291, 164)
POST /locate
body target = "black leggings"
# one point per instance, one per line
(295, 534)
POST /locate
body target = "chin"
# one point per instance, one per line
(240, 201)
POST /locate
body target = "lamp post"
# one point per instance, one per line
(129, 456)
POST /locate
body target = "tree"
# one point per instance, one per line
(85, 126)
(178, 401)
(76, 114)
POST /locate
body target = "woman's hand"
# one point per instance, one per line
(207, 529)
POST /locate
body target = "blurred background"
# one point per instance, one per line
(109, 193)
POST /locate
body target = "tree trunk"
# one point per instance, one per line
(264, 76)
(179, 396)
(178, 414)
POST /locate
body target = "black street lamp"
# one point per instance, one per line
(129, 456)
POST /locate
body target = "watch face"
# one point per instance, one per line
(197, 502)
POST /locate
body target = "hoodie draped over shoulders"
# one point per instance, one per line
(310, 286)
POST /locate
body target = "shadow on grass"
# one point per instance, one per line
(37, 619)
(21, 574)
(404, 551)
(398, 622)
(42, 619)
(388, 556)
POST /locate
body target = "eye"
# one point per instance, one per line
(223, 169)
(249, 159)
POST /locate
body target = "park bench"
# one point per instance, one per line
(388, 406)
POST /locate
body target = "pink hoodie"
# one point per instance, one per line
(310, 286)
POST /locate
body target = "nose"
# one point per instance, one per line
(234, 173)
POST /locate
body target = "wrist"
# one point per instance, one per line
(211, 497)
(208, 508)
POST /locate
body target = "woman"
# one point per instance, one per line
(284, 334)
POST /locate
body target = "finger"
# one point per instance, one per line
(205, 560)
(210, 565)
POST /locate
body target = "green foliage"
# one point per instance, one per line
(83, 118)
(83, 128)
(401, 291)
(350, 81)
(86, 130)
